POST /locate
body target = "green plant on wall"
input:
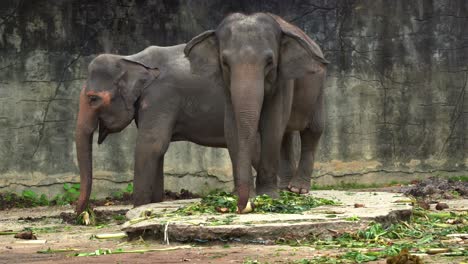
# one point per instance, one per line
(71, 194)
(120, 194)
(31, 197)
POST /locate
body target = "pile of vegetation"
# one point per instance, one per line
(427, 233)
(436, 187)
(222, 202)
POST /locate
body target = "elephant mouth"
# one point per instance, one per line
(103, 132)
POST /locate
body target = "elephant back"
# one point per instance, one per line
(157, 57)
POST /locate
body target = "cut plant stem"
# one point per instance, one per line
(59, 250)
(39, 241)
(99, 252)
(6, 233)
(110, 236)
(437, 250)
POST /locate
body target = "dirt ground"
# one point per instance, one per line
(233, 253)
(80, 239)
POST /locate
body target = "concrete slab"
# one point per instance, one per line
(324, 221)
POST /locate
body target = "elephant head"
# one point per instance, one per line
(108, 100)
(250, 54)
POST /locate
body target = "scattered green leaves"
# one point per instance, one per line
(353, 218)
(288, 203)
(224, 221)
(212, 203)
(427, 232)
(359, 257)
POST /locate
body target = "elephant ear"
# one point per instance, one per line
(203, 54)
(299, 54)
(136, 75)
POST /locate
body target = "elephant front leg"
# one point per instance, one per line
(275, 115)
(149, 163)
(266, 181)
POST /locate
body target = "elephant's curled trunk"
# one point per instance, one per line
(86, 125)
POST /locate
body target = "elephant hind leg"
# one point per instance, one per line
(288, 163)
(301, 181)
(310, 137)
(158, 194)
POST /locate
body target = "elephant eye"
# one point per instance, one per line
(224, 61)
(93, 98)
(269, 61)
(225, 64)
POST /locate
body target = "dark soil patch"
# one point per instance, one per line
(102, 217)
(183, 194)
(13, 200)
(126, 198)
(439, 188)
(119, 216)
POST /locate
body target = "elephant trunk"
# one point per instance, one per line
(86, 125)
(247, 93)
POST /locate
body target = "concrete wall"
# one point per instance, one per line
(396, 92)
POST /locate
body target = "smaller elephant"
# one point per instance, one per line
(155, 88)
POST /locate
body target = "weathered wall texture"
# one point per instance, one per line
(396, 92)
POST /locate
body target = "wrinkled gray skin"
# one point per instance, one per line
(273, 75)
(168, 103)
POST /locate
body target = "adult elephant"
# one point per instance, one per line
(273, 75)
(168, 103)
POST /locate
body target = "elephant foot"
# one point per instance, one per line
(300, 186)
(283, 183)
(271, 191)
(248, 208)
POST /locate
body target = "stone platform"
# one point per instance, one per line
(321, 222)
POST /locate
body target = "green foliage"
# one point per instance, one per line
(31, 198)
(70, 195)
(353, 218)
(119, 217)
(425, 231)
(210, 204)
(319, 260)
(288, 203)
(120, 194)
(462, 178)
(226, 221)
(359, 257)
